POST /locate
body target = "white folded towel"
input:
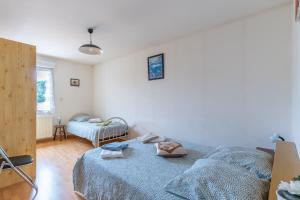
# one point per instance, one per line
(111, 154)
(158, 139)
(147, 138)
(151, 138)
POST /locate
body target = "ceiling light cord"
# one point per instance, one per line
(90, 30)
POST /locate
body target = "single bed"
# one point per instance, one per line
(96, 133)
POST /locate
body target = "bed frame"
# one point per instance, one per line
(116, 134)
(286, 165)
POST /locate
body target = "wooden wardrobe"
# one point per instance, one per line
(17, 104)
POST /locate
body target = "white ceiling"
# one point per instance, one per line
(58, 27)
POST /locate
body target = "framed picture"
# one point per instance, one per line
(75, 82)
(156, 67)
(297, 10)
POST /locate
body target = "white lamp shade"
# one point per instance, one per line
(90, 49)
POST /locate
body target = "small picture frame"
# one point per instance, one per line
(74, 82)
(156, 68)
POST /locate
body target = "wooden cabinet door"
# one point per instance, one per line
(17, 104)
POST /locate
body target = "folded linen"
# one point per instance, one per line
(115, 146)
(170, 149)
(147, 138)
(111, 154)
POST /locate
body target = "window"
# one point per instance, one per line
(44, 91)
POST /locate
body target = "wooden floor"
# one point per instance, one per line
(55, 161)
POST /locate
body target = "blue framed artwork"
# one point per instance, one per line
(156, 67)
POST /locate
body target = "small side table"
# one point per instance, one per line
(61, 131)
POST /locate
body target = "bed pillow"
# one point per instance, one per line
(95, 120)
(258, 162)
(216, 179)
(170, 149)
(81, 117)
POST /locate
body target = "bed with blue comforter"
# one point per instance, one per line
(139, 175)
(232, 173)
(94, 131)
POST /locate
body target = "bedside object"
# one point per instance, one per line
(285, 166)
(289, 190)
(270, 151)
(58, 120)
(285, 195)
(61, 131)
(276, 137)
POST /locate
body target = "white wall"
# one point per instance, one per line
(296, 82)
(228, 85)
(71, 100)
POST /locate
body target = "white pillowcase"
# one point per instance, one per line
(95, 120)
(170, 149)
(81, 117)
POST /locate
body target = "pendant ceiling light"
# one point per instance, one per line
(90, 48)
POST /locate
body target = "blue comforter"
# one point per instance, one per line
(139, 175)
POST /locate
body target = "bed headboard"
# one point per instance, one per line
(286, 165)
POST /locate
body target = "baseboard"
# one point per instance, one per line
(47, 139)
(71, 136)
(44, 139)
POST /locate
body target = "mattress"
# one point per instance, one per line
(94, 132)
(139, 175)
